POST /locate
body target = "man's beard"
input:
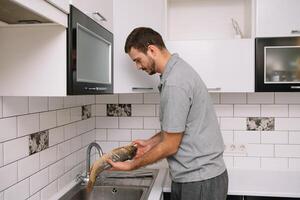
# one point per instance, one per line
(151, 69)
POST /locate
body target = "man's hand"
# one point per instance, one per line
(121, 166)
(142, 148)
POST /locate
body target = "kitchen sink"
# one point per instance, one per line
(134, 185)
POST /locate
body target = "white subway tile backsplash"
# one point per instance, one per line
(1, 103)
(1, 154)
(228, 162)
(70, 131)
(227, 137)
(28, 166)
(157, 108)
(64, 180)
(38, 104)
(246, 162)
(8, 128)
(36, 196)
(294, 110)
(215, 97)
(63, 117)
(56, 136)
(151, 123)
(274, 137)
(107, 122)
(86, 125)
(287, 124)
(70, 101)
(274, 163)
(38, 181)
(56, 170)
(28, 124)
(75, 114)
(19, 191)
(224, 110)
(233, 123)
(131, 122)
(294, 137)
(119, 135)
(101, 110)
(131, 98)
(47, 120)
(260, 98)
(48, 156)
(88, 137)
(151, 98)
(274, 110)
(13, 106)
(49, 190)
(233, 98)
(70, 161)
(260, 150)
(8, 175)
(80, 100)
(101, 134)
(108, 146)
(142, 110)
(109, 99)
(294, 163)
(142, 134)
(56, 103)
(75, 143)
(288, 151)
(15, 149)
(246, 110)
(90, 99)
(246, 137)
(287, 98)
(64, 149)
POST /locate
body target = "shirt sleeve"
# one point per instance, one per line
(175, 106)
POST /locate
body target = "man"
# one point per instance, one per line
(190, 137)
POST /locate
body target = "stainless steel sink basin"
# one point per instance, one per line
(107, 193)
(134, 185)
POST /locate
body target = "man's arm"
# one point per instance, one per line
(167, 146)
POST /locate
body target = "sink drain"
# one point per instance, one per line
(114, 191)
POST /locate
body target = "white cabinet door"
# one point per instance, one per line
(45, 9)
(129, 14)
(223, 65)
(62, 5)
(100, 10)
(277, 18)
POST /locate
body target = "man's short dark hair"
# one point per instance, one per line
(140, 38)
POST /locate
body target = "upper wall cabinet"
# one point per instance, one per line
(277, 18)
(100, 10)
(33, 48)
(216, 38)
(129, 14)
(208, 19)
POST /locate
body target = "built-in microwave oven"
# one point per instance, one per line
(90, 56)
(277, 64)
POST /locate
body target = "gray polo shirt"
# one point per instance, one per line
(185, 106)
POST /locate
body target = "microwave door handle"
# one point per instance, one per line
(102, 18)
(295, 31)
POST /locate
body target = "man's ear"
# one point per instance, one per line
(152, 50)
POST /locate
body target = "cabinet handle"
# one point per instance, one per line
(295, 32)
(214, 89)
(102, 18)
(142, 88)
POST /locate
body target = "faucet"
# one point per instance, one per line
(85, 178)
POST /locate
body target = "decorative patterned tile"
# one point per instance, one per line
(86, 112)
(38, 142)
(260, 123)
(118, 110)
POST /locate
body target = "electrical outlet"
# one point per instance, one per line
(235, 149)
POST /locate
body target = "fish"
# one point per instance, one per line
(116, 155)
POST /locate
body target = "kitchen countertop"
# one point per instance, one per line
(275, 183)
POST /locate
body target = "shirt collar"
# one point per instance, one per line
(169, 66)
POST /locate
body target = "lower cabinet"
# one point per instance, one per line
(167, 196)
